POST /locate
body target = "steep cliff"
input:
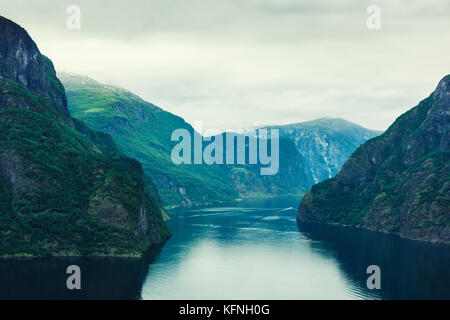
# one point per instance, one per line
(326, 144)
(64, 189)
(398, 182)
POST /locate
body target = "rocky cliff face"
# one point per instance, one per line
(64, 188)
(398, 182)
(325, 144)
(21, 62)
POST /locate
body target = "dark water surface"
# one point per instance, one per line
(247, 250)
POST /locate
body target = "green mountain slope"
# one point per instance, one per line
(398, 182)
(290, 179)
(64, 189)
(143, 131)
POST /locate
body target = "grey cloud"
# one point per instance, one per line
(283, 60)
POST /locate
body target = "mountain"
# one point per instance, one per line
(398, 182)
(326, 143)
(64, 188)
(290, 179)
(143, 131)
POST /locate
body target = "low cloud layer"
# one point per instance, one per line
(250, 62)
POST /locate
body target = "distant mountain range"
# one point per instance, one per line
(325, 143)
(398, 182)
(309, 152)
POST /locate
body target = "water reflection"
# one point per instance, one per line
(409, 269)
(248, 250)
(252, 250)
(101, 278)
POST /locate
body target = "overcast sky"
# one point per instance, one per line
(241, 63)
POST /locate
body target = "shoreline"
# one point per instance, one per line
(432, 242)
(230, 201)
(149, 250)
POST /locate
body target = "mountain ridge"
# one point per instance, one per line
(323, 120)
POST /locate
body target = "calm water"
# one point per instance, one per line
(248, 250)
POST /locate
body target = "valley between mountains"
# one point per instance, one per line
(86, 168)
(309, 152)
